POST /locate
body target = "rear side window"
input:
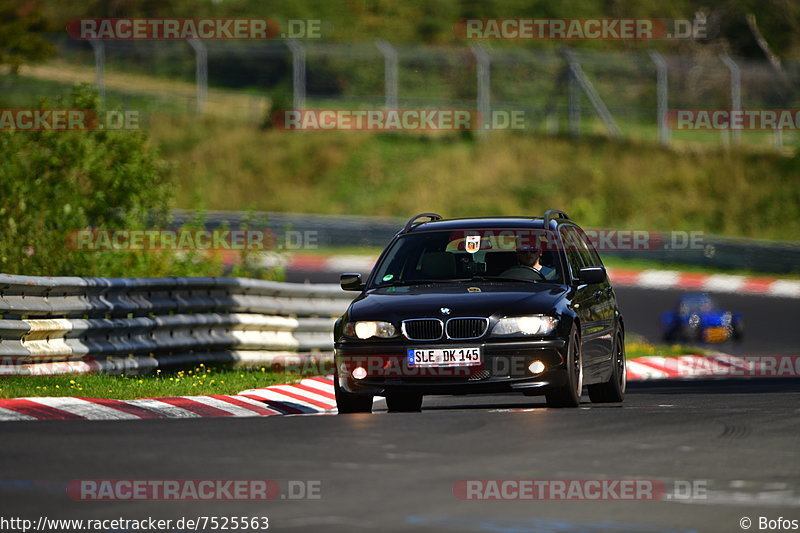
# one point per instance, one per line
(573, 247)
(588, 253)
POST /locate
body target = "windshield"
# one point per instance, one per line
(696, 305)
(469, 255)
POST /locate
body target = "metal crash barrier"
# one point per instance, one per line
(54, 325)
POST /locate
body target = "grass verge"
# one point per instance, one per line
(598, 182)
(201, 380)
(224, 160)
(205, 380)
(638, 346)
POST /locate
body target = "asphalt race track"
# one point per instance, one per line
(737, 441)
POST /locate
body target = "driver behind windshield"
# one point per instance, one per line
(528, 262)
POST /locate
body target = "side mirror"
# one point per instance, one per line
(351, 282)
(592, 275)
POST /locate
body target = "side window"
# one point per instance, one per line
(587, 251)
(596, 261)
(572, 246)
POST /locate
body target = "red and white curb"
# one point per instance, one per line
(650, 279)
(310, 395)
(669, 279)
(711, 366)
(313, 395)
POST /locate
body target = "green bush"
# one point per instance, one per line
(53, 183)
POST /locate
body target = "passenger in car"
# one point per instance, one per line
(528, 257)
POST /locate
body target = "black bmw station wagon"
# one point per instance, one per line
(481, 305)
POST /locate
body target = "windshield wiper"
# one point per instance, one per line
(406, 282)
(500, 278)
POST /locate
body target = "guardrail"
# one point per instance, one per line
(70, 324)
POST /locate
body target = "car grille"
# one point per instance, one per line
(423, 329)
(431, 329)
(466, 328)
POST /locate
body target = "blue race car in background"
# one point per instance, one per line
(697, 319)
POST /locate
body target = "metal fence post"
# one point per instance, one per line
(484, 85)
(736, 88)
(573, 104)
(298, 73)
(389, 73)
(662, 102)
(578, 78)
(99, 48)
(201, 72)
(778, 136)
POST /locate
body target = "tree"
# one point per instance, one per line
(53, 183)
(22, 24)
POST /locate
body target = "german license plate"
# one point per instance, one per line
(444, 356)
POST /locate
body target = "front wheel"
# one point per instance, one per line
(612, 390)
(672, 334)
(737, 331)
(569, 394)
(348, 402)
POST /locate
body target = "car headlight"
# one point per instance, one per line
(368, 329)
(525, 325)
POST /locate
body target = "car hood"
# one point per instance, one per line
(462, 299)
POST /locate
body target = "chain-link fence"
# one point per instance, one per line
(559, 91)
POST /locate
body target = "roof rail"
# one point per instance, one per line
(410, 223)
(552, 214)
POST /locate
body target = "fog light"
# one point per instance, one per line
(360, 373)
(537, 367)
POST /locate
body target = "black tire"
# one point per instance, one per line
(569, 394)
(737, 331)
(347, 402)
(404, 402)
(692, 334)
(613, 390)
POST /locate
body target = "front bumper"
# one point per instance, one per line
(504, 368)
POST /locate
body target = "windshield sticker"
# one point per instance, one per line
(388, 277)
(473, 243)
